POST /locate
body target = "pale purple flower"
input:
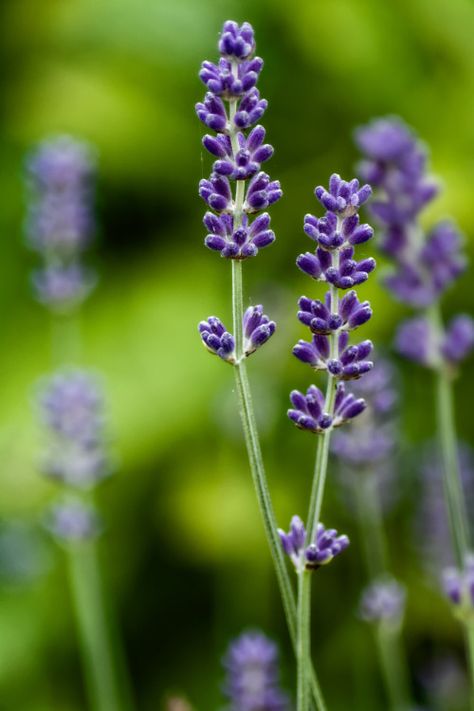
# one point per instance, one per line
(383, 601)
(252, 684)
(72, 409)
(73, 521)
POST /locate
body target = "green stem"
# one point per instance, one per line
(303, 655)
(470, 649)
(393, 667)
(260, 482)
(389, 642)
(369, 518)
(452, 484)
(102, 656)
(93, 630)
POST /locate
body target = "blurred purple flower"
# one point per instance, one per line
(251, 663)
(383, 601)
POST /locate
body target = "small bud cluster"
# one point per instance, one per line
(326, 545)
(60, 223)
(257, 329)
(425, 265)
(252, 683)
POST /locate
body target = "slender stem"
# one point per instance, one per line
(268, 515)
(94, 633)
(260, 480)
(452, 484)
(470, 649)
(453, 492)
(322, 450)
(393, 667)
(303, 655)
(369, 518)
(102, 655)
(390, 648)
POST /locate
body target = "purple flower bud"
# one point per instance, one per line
(217, 340)
(326, 546)
(236, 42)
(257, 329)
(250, 109)
(383, 601)
(459, 339)
(347, 406)
(251, 683)
(217, 193)
(212, 112)
(343, 198)
(317, 315)
(241, 243)
(307, 412)
(261, 193)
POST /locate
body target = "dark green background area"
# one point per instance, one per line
(187, 564)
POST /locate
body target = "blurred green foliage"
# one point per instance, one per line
(187, 563)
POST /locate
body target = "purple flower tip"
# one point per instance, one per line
(326, 545)
(216, 339)
(343, 198)
(458, 586)
(257, 329)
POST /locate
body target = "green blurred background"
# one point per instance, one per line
(188, 566)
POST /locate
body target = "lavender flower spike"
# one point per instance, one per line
(71, 406)
(326, 545)
(60, 222)
(252, 684)
(239, 156)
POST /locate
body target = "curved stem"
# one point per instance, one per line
(303, 654)
(370, 521)
(260, 480)
(452, 483)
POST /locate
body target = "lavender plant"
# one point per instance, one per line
(60, 224)
(251, 664)
(235, 192)
(424, 266)
(331, 322)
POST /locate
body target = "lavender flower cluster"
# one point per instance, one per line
(71, 408)
(60, 221)
(232, 106)
(252, 684)
(332, 320)
(239, 156)
(326, 545)
(425, 265)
